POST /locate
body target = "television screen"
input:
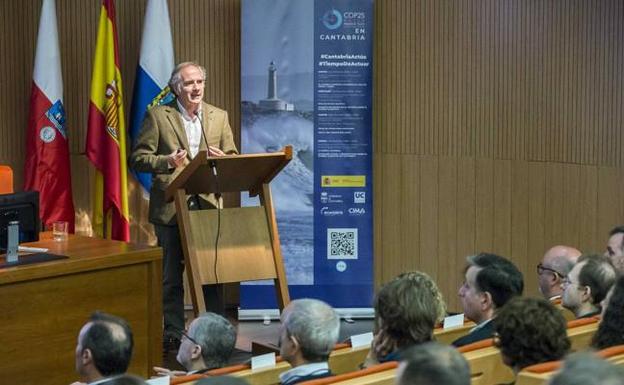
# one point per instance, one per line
(24, 208)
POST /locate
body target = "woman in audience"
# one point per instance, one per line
(530, 331)
(406, 311)
(611, 329)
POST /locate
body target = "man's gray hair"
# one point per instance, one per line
(315, 325)
(217, 338)
(432, 363)
(175, 82)
(588, 369)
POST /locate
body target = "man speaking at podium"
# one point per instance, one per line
(171, 135)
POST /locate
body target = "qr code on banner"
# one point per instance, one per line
(342, 243)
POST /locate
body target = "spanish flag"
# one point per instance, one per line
(106, 134)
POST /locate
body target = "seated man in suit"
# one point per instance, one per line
(104, 349)
(555, 266)
(432, 363)
(587, 285)
(207, 345)
(490, 281)
(308, 333)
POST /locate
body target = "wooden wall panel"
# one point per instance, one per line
(520, 103)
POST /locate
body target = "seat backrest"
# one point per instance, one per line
(381, 374)
(447, 336)
(486, 363)
(581, 331)
(6, 179)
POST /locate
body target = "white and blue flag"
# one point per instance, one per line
(155, 66)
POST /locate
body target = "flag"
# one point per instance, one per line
(106, 133)
(47, 168)
(152, 74)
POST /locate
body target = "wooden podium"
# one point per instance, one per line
(230, 244)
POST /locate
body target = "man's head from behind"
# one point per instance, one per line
(432, 363)
(104, 347)
(615, 248)
(554, 267)
(587, 369)
(587, 284)
(490, 281)
(309, 331)
(208, 344)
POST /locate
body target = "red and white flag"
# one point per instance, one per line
(47, 168)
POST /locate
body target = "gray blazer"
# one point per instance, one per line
(163, 133)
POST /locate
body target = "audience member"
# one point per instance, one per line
(490, 281)
(530, 331)
(104, 348)
(432, 363)
(406, 312)
(615, 248)
(587, 285)
(208, 345)
(554, 267)
(308, 333)
(588, 369)
(611, 329)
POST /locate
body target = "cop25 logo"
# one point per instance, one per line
(332, 19)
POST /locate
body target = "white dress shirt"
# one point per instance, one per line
(192, 127)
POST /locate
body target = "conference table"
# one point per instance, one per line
(44, 305)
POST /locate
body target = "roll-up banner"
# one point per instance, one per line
(306, 70)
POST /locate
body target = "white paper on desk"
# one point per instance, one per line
(453, 321)
(363, 339)
(159, 380)
(263, 361)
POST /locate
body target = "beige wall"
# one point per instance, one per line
(497, 124)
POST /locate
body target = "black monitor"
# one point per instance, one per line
(24, 208)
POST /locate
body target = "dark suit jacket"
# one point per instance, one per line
(480, 334)
(163, 133)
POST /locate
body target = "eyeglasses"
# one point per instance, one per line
(541, 269)
(184, 334)
(566, 282)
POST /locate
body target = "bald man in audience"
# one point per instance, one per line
(308, 333)
(615, 248)
(555, 266)
(104, 349)
(207, 345)
(587, 285)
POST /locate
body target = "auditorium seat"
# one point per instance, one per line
(540, 374)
